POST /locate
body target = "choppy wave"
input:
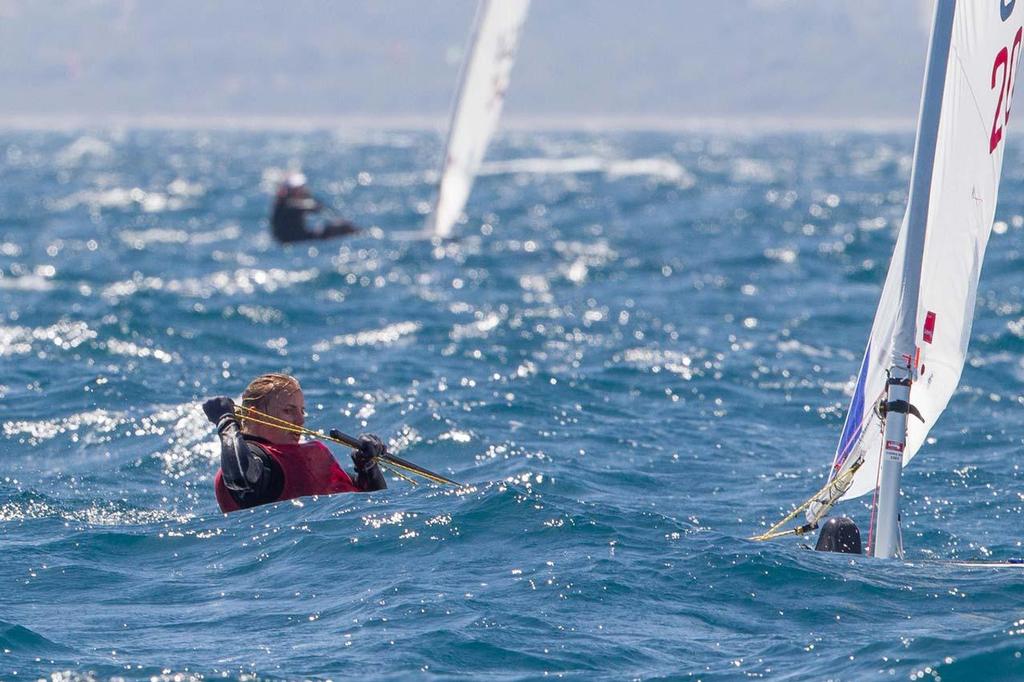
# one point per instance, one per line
(17, 639)
(637, 353)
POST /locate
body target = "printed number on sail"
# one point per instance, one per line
(1005, 63)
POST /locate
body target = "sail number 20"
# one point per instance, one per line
(1006, 62)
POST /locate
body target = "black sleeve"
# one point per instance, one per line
(250, 474)
(338, 228)
(370, 480)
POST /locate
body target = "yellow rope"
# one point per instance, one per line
(800, 530)
(398, 473)
(274, 422)
(394, 466)
(840, 484)
(250, 414)
(840, 481)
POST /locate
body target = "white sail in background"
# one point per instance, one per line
(927, 306)
(485, 78)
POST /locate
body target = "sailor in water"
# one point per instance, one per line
(288, 220)
(260, 464)
(839, 535)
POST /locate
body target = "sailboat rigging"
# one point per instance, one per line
(918, 343)
(481, 94)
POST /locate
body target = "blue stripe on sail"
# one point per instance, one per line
(854, 417)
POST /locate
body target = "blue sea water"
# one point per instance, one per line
(637, 353)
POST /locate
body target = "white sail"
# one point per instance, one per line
(485, 78)
(926, 310)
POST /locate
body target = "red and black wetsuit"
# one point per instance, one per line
(254, 471)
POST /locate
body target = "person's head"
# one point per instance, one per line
(279, 396)
(839, 534)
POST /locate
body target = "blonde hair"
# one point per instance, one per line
(260, 390)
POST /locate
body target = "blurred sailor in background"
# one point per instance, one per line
(292, 203)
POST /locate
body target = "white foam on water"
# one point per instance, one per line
(118, 197)
(666, 170)
(82, 148)
(98, 421)
(65, 334)
(456, 436)
(241, 281)
(140, 239)
(794, 346)
(181, 187)
(94, 515)
(384, 336)
(672, 361)
(478, 329)
(134, 350)
(663, 169)
(33, 282)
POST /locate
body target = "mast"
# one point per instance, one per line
(887, 542)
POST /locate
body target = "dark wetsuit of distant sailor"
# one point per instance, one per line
(288, 220)
(260, 463)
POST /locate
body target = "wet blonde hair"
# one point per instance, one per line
(260, 390)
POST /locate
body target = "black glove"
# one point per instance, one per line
(370, 448)
(216, 408)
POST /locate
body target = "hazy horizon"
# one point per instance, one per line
(654, 62)
(625, 123)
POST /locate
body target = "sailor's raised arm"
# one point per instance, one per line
(242, 464)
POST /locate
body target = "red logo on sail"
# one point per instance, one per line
(929, 327)
(894, 445)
